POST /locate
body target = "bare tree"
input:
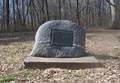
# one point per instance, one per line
(113, 5)
(3, 16)
(60, 9)
(43, 12)
(18, 16)
(99, 13)
(77, 12)
(28, 14)
(31, 16)
(7, 15)
(70, 8)
(47, 12)
(22, 14)
(64, 8)
(87, 3)
(14, 22)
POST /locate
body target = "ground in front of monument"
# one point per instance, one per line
(103, 45)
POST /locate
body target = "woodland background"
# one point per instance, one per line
(28, 15)
(20, 16)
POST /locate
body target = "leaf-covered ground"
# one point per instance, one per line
(104, 45)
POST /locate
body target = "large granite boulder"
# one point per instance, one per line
(60, 39)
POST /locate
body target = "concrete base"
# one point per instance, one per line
(65, 63)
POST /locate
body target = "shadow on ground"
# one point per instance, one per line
(102, 57)
(8, 38)
(105, 57)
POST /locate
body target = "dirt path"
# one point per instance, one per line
(104, 45)
(103, 42)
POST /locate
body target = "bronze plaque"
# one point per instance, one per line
(61, 38)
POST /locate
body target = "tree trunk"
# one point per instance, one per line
(70, 9)
(38, 13)
(60, 9)
(47, 12)
(31, 16)
(77, 12)
(7, 15)
(18, 16)
(14, 22)
(87, 3)
(99, 14)
(113, 14)
(104, 21)
(22, 23)
(43, 20)
(65, 9)
(113, 7)
(3, 15)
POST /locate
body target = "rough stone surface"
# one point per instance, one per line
(43, 48)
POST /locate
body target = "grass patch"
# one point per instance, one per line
(24, 47)
(69, 77)
(10, 72)
(19, 48)
(83, 76)
(16, 48)
(7, 79)
(76, 75)
(26, 73)
(52, 78)
(32, 75)
(119, 37)
(119, 54)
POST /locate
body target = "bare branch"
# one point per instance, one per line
(27, 11)
(78, 12)
(110, 3)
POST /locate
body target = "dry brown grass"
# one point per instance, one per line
(104, 45)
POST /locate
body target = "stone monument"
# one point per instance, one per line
(59, 39)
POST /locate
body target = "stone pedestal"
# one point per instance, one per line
(65, 63)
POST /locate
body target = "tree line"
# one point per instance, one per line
(28, 15)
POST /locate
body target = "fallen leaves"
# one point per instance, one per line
(15, 47)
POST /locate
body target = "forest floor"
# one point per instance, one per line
(104, 45)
